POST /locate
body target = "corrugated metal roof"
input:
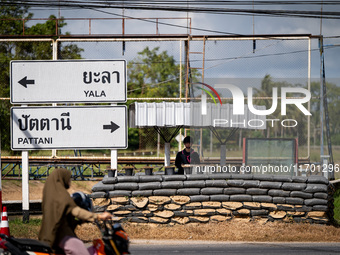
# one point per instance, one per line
(171, 114)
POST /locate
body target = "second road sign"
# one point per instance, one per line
(74, 127)
(68, 81)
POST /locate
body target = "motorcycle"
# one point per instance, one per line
(114, 241)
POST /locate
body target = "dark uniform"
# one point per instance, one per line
(183, 158)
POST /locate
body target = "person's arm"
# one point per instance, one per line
(195, 159)
(178, 161)
(85, 215)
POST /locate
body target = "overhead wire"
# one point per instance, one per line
(246, 56)
(227, 33)
(99, 5)
(195, 6)
(159, 5)
(250, 56)
(173, 2)
(167, 24)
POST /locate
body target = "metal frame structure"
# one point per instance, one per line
(84, 163)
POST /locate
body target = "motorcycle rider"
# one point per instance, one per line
(60, 214)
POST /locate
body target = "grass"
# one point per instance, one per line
(24, 230)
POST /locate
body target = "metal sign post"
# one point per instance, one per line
(25, 187)
(25, 183)
(114, 158)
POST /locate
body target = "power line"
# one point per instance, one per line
(168, 24)
(249, 56)
(174, 2)
(193, 6)
(227, 59)
(99, 5)
(108, 4)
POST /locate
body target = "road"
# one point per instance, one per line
(149, 247)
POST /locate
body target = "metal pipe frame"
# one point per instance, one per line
(151, 37)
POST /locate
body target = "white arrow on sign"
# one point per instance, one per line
(73, 127)
(66, 81)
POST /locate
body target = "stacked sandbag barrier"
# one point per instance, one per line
(215, 197)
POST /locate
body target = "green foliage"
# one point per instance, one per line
(153, 74)
(133, 141)
(5, 124)
(11, 23)
(337, 206)
(333, 96)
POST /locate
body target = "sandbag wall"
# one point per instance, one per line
(215, 198)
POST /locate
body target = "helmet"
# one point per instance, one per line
(82, 200)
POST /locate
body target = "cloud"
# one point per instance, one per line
(232, 59)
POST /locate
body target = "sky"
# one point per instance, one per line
(233, 61)
(280, 59)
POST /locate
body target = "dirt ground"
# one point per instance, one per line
(225, 231)
(12, 189)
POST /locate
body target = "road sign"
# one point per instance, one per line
(68, 81)
(68, 127)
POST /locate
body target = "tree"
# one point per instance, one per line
(11, 23)
(333, 97)
(153, 74)
(279, 130)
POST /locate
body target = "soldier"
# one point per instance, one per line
(186, 156)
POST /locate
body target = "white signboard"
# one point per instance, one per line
(68, 81)
(74, 127)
